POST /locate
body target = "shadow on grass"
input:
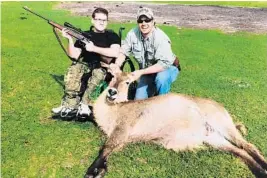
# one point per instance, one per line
(59, 79)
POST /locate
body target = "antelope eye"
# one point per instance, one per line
(127, 83)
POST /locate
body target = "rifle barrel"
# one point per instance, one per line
(73, 31)
(27, 9)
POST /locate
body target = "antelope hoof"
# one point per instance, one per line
(97, 169)
(95, 173)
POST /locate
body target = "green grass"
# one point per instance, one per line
(230, 68)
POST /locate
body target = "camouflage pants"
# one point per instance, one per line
(73, 83)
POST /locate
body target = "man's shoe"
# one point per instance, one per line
(84, 110)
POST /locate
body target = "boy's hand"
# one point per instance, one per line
(65, 33)
(89, 45)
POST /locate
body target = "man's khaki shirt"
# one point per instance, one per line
(157, 46)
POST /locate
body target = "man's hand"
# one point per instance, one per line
(89, 46)
(135, 75)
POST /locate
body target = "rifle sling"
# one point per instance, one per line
(60, 43)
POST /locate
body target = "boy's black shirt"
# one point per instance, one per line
(104, 40)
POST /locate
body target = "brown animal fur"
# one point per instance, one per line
(175, 121)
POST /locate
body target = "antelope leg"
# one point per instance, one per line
(117, 139)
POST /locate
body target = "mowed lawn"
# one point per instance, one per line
(229, 68)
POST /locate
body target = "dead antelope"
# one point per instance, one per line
(175, 121)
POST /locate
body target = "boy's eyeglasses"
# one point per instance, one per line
(146, 20)
(101, 20)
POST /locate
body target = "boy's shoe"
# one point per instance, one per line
(84, 110)
(57, 110)
(64, 111)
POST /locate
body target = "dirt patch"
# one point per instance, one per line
(227, 19)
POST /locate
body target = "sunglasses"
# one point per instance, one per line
(146, 20)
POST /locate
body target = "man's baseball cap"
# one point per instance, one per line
(145, 11)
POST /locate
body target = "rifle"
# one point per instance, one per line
(72, 31)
